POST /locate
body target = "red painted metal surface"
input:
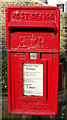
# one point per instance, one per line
(33, 30)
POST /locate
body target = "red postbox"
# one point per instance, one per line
(33, 59)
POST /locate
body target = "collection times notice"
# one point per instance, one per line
(33, 79)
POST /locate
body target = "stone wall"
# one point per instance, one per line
(63, 47)
(63, 31)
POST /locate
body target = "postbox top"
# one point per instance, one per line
(33, 23)
(33, 7)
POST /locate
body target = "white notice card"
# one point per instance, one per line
(33, 79)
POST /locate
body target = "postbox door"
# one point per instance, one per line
(32, 102)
